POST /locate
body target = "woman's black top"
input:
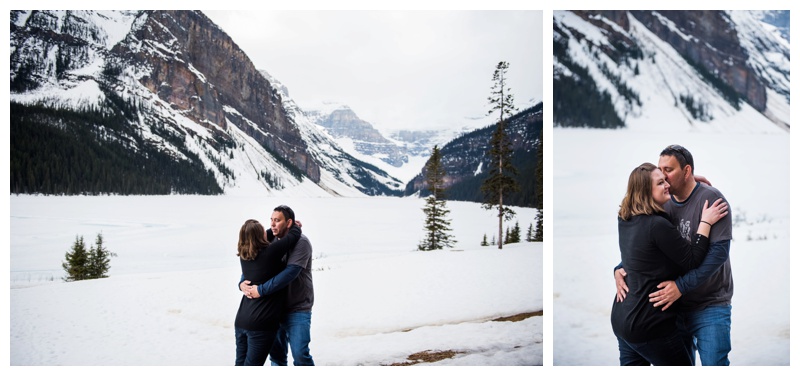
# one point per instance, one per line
(653, 251)
(266, 312)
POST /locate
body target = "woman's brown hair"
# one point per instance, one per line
(251, 238)
(639, 197)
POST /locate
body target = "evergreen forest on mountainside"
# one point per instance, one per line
(66, 151)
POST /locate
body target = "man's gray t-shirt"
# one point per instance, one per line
(718, 289)
(300, 292)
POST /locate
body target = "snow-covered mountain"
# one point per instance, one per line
(722, 70)
(148, 102)
(401, 153)
(333, 150)
(421, 142)
(361, 140)
(777, 18)
(343, 124)
(465, 159)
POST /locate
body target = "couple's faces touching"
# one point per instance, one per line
(675, 176)
(279, 224)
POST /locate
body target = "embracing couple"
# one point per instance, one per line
(674, 284)
(275, 311)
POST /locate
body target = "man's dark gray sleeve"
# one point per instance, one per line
(718, 253)
(280, 281)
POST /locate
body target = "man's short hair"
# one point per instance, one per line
(680, 153)
(287, 212)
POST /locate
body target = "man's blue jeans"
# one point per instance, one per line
(252, 346)
(294, 332)
(711, 329)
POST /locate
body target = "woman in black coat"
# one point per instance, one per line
(653, 251)
(257, 319)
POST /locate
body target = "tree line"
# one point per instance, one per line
(514, 234)
(596, 108)
(87, 151)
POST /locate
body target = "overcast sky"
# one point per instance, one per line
(395, 69)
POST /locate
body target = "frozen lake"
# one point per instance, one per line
(172, 296)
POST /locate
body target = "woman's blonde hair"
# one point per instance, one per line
(251, 238)
(639, 197)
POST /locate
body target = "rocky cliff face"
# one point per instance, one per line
(714, 44)
(708, 63)
(199, 70)
(343, 123)
(48, 46)
(166, 86)
(706, 38)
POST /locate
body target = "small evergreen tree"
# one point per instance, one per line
(539, 233)
(514, 234)
(77, 260)
(81, 264)
(99, 259)
(501, 171)
(437, 226)
(484, 243)
(529, 234)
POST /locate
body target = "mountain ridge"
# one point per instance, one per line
(179, 87)
(465, 161)
(164, 102)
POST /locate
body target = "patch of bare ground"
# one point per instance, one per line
(427, 356)
(430, 356)
(520, 316)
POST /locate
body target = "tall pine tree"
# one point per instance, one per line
(501, 172)
(540, 194)
(437, 225)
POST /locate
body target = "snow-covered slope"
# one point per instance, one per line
(185, 97)
(733, 78)
(341, 166)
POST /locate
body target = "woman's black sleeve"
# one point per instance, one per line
(687, 255)
(283, 245)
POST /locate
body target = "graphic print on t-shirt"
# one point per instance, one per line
(685, 228)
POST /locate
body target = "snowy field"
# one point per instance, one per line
(172, 295)
(590, 173)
